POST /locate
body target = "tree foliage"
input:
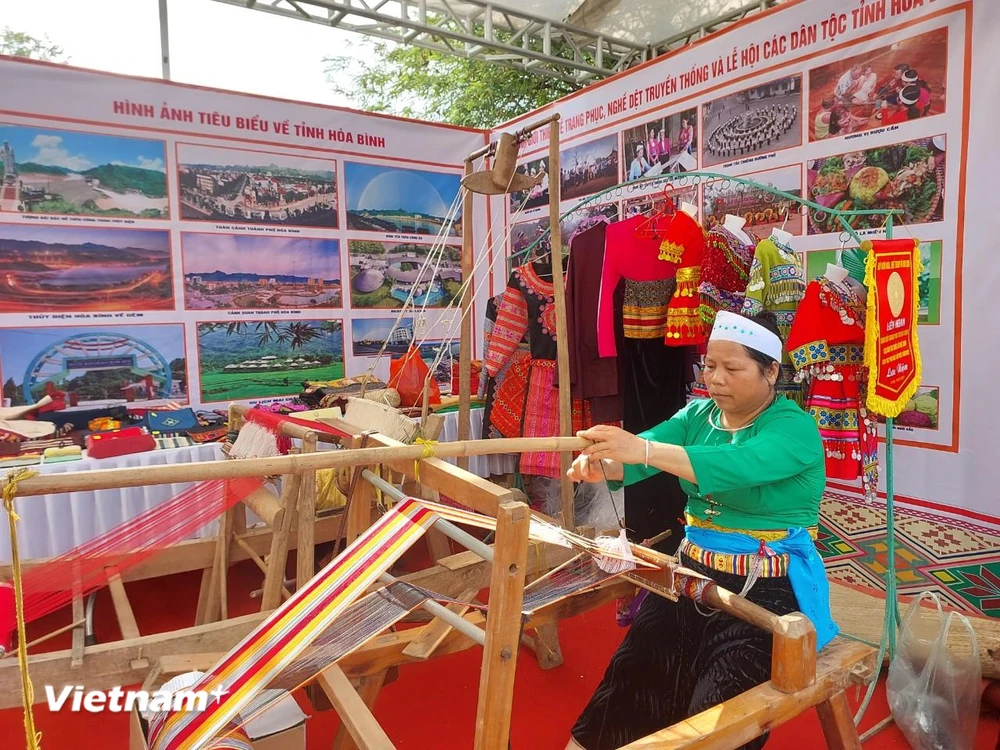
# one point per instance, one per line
(439, 87)
(20, 44)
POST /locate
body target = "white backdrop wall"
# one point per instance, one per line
(225, 247)
(797, 59)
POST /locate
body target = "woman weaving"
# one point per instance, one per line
(752, 466)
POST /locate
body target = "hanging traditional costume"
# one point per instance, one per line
(489, 384)
(725, 273)
(684, 245)
(592, 377)
(826, 345)
(527, 403)
(725, 270)
(777, 284)
(634, 257)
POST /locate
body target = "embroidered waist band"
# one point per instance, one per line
(765, 535)
(767, 564)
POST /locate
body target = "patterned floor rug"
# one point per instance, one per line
(957, 559)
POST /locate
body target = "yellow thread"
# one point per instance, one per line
(428, 452)
(33, 737)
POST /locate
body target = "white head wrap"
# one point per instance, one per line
(732, 327)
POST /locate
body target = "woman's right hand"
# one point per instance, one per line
(586, 469)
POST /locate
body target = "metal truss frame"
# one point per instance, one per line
(712, 26)
(473, 29)
(484, 31)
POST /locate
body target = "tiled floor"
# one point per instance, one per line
(960, 562)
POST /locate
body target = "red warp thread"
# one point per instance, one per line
(52, 585)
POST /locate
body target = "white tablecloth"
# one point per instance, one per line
(53, 524)
(480, 465)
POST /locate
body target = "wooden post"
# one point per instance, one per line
(368, 690)
(503, 628)
(354, 714)
(793, 654)
(305, 543)
(562, 341)
(359, 509)
(465, 346)
(277, 559)
(838, 723)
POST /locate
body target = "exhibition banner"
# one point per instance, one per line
(161, 242)
(861, 105)
(892, 354)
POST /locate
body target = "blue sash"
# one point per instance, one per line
(805, 570)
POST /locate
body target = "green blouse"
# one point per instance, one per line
(768, 476)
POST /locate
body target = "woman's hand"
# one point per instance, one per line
(586, 469)
(613, 443)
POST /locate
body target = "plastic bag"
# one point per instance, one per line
(408, 374)
(933, 691)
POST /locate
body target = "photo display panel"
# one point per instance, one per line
(864, 107)
(162, 243)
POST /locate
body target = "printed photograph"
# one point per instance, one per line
(922, 411)
(762, 210)
(383, 275)
(405, 201)
(885, 86)
(588, 168)
(369, 335)
(238, 271)
(586, 217)
(929, 280)
(258, 359)
(666, 144)
(524, 234)
(907, 176)
(256, 187)
(649, 204)
(45, 171)
(89, 269)
(94, 365)
(754, 121)
(539, 194)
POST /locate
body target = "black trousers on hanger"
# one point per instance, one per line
(653, 379)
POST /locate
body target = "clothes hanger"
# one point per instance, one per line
(834, 271)
(650, 228)
(780, 235)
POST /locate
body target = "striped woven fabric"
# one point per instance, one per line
(263, 654)
(772, 565)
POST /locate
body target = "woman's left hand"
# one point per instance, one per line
(614, 443)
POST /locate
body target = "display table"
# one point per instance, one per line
(482, 466)
(53, 524)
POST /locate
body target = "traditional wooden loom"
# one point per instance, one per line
(799, 679)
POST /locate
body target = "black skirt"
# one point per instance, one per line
(675, 663)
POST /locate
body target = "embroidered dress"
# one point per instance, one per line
(626, 256)
(826, 346)
(527, 403)
(725, 272)
(489, 384)
(684, 245)
(777, 284)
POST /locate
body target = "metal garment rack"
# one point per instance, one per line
(680, 180)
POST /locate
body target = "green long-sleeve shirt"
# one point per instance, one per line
(768, 476)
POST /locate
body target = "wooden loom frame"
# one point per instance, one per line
(798, 680)
(559, 291)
